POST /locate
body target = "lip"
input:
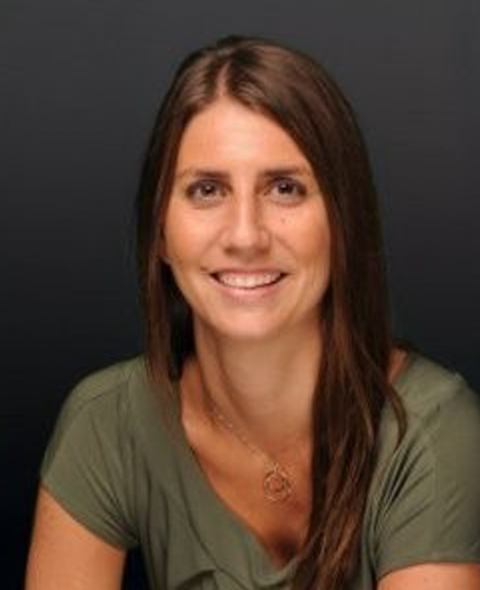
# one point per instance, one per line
(247, 271)
(252, 295)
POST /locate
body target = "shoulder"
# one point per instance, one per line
(424, 383)
(425, 502)
(99, 412)
(443, 424)
(115, 412)
(435, 399)
(109, 381)
(107, 391)
(443, 430)
(443, 417)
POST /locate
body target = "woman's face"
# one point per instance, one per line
(246, 232)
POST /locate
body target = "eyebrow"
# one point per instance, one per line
(264, 174)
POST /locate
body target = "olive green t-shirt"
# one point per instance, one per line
(124, 471)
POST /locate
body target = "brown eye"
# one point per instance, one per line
(289, 188)
(203, 190)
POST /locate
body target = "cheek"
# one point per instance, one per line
(185, 239)
(312, 237)
(317, 255)
(176, 235)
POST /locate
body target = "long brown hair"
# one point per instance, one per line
(294, 91)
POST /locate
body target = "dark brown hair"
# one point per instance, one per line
(294, 91)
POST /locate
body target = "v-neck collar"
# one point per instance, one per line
(230, 543)
(266, 573)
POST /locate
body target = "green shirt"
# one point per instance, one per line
(126, 473)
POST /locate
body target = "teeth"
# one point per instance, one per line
(246, 281)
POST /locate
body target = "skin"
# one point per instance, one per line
(239, 220)
(64, 554)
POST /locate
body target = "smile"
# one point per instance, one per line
(244, 280)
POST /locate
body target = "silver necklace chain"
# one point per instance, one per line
(277, 483)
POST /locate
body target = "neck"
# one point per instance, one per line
(265, 389)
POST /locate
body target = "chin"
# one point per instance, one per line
(246, 330)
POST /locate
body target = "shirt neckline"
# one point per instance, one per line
(220, 530)
(267, 572)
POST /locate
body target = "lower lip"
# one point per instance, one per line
(252, 295)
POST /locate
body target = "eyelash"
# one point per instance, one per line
(191, 190)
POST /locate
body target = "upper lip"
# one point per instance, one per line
(248, 271)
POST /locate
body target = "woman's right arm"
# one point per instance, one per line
(64, 554)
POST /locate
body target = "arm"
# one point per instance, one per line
(64, 554)
(433, 576)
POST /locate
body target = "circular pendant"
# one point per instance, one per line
(277, 486)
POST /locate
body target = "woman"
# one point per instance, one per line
(275, 437)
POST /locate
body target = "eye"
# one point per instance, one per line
(204, 190)
(287, 188)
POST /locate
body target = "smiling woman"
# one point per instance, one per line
(247, 239)
(273, 435)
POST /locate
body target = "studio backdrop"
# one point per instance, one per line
(79, 85)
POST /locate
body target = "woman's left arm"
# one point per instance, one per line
(433, 576)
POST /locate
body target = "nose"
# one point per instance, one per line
(246, 232)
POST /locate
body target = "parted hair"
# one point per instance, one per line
(352, 388)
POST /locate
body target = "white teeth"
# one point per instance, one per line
(246, 281)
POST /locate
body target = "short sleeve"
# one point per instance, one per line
(84, 463)
(428, 503)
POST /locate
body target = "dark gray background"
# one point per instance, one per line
(80, 82)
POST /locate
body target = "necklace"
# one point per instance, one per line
(277, 484)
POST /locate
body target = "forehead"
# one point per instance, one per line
(229, 133)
